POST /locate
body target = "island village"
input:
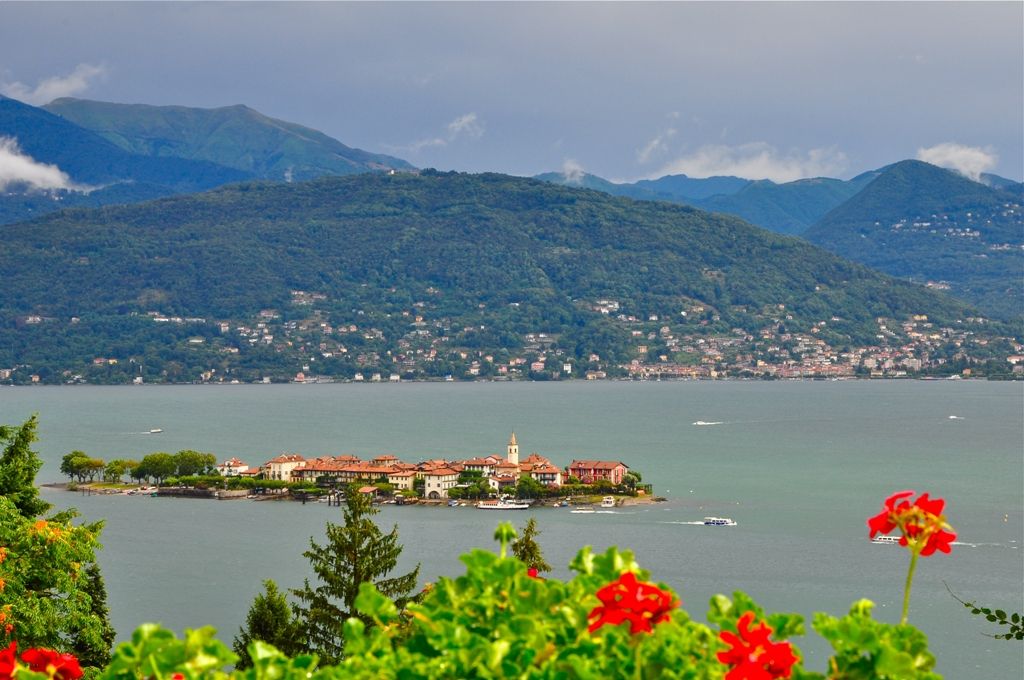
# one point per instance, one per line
(438, 480)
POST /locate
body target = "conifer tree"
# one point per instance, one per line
(18, 467)
(92, 644)
(269, 620)
(356, 552)
(527, 549)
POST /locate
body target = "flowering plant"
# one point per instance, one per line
(45, 662)
(922, 526)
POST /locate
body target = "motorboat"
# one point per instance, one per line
(503, 504)
(886, 540)
(608, 502)
(719, 522)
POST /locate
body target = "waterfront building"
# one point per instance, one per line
(590, 471)
(281, 467)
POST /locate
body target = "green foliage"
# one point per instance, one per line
(527, 550)
(92, 644)
(18, 467)
(269, 621)
(1014, 622)
(48, 589)
(158, 465)
(495, 621)
(190, 462)
(356, 552)
(867, 649)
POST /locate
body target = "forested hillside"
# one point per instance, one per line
(479, 261)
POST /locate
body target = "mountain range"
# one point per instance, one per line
(480, 260)
(137, 153)
(975, 253)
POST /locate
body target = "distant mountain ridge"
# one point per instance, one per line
(479, 260)
(233, 136)
(931, 225)
(788, 208)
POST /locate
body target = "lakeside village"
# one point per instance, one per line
(301, 343)
(490, 481)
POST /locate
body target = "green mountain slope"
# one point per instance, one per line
(484, 260)
(788, 208)
(115, 175)
(921, 222)
(233, 136)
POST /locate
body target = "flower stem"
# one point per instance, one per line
(906, 588)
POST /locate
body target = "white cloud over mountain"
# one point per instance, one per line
(55, 87)
(18, 168)
(967, 160)
(757, 160)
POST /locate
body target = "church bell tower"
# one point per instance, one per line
(513, 450)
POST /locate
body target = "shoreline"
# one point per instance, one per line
(243, 494)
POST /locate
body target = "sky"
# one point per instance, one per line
(622, 90)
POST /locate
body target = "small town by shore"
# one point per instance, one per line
(492, 481)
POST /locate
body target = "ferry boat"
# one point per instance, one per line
(502, 505)
(719, 522)
(608, 502)
(886, 540)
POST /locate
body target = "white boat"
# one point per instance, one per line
(156, 430)
(719, 522)
(608, 502)
(886, 540)
(502, 505)
(582, 511)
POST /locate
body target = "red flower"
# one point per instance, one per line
(58, 666)
(532, 572)
(921, 522)
(626, 599)
(8, 660)
(752, 655)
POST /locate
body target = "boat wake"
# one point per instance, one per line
(983, 545)
(699, 524)
(705, 422)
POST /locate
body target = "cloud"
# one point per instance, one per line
(572, 172)
(55, 87)
(757, 160)
(656, 146)
(967, 160)
(466, 125)
(20, 169)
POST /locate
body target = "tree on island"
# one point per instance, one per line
(269, 620)
(356, 552)
(157, 465)
(528, 550)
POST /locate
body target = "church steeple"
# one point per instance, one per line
(513, 450)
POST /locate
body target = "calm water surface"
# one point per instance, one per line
(799, 466)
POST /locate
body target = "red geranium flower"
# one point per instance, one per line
(921, 522)
(55, 664)
(626, 599)
(752, 655)
(8, 660)
(532, 572)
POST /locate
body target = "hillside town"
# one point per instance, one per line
(435, 479)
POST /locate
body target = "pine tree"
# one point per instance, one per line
(356, 552)
(18, 467)
(92, 644)
(528, 550)
(269, 620)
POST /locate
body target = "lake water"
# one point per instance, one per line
(798, 465)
